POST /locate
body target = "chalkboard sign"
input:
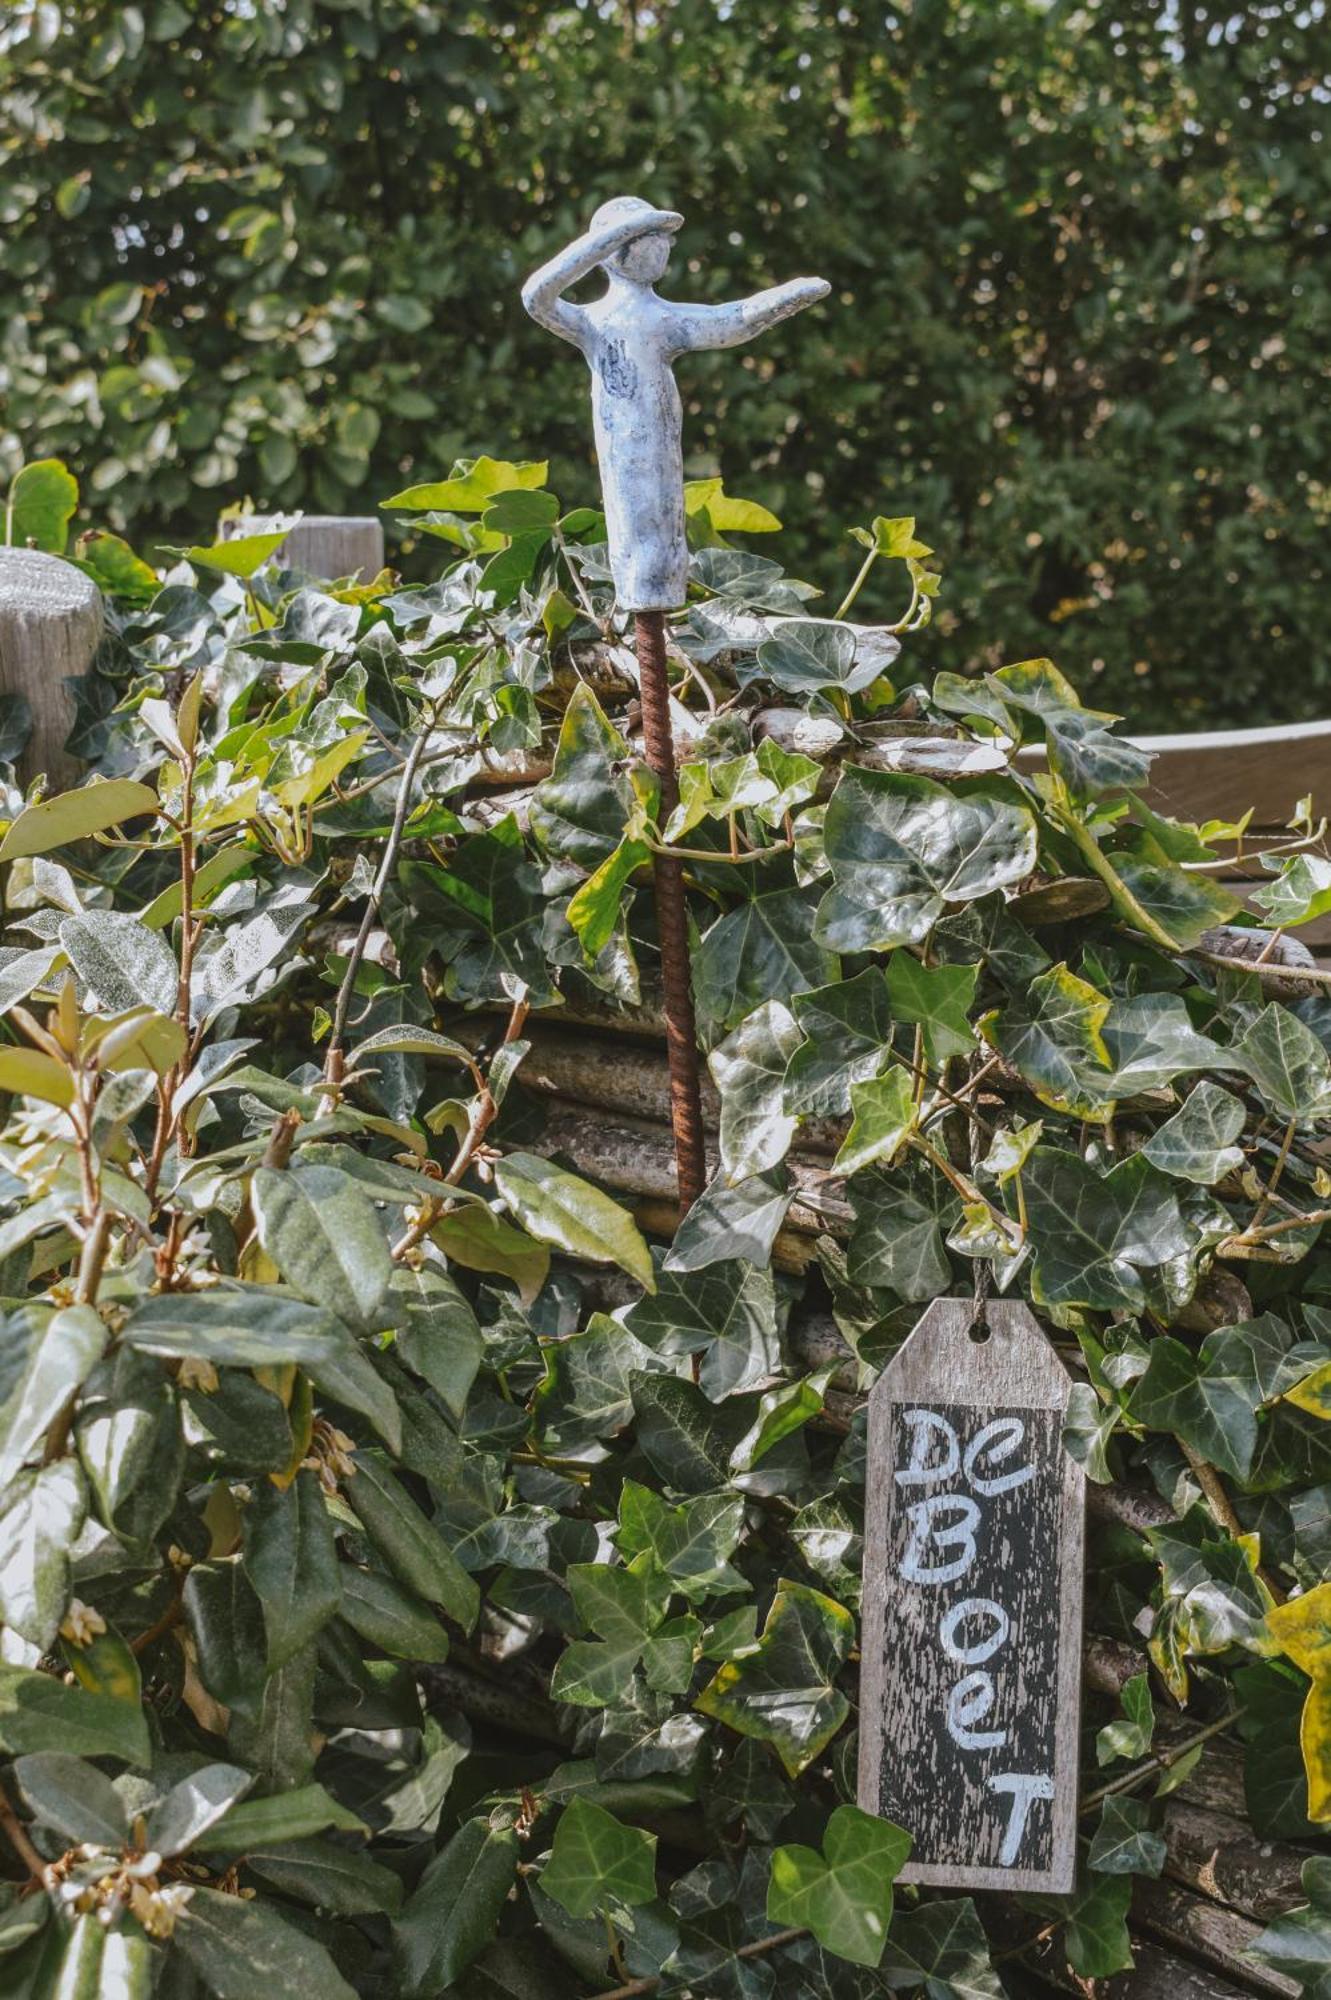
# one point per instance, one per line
(973, 1564)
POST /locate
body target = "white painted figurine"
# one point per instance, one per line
(630, 338)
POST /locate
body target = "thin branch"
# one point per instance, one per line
(634, 1987)
(17, 1835)
(335, 1059)
(1161, 1760)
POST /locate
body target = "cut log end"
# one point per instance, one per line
(51, 624)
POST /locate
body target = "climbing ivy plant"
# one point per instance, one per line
(424, 1570)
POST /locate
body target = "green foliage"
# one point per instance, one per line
(391, 1529)
(1076, 326)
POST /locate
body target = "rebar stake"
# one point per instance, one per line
(672, 918)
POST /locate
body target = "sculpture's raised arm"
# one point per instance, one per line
(542, 295)
(742, 319)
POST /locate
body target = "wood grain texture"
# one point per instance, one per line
(51, 624)
(973, 1577)
(1220, 773)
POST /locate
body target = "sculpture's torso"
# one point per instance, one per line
(636, 411)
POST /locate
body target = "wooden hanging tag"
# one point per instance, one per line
(970, 1677)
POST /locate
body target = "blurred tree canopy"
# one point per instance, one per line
(1079, 256)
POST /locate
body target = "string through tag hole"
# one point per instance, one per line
(979, 1330)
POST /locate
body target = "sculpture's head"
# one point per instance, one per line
(643, 260)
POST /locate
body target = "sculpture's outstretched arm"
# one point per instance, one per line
(542, 293)
(730, 325)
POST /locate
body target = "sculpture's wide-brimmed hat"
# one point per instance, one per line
(620, 209)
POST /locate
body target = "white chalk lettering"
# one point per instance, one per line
(927, 1519)
(1024, 1789)
(969, 1702)
(979, 1650)
(999, 1439)
(926, 1425)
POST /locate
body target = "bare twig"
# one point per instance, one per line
(335, 1060)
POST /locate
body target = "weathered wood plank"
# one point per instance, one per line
(971, 1649)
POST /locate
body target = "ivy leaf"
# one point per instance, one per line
(1053, 1034)
(691, 1543)
(781, 1412)
(732, 1222)
(586, 1392)
(559, 1208)
(848, 1030)
(1099, 1239)
(1123, 1843)
(623, 1606)
(764, 950)
(784, 1690)
(1302, 1630)
(942, 1947)
(749, 1068)
(686, 1438)
(844, 1894)
(1096, 1939)
(1185, 905)
(1298, 1944)
(725, 1313)
(1197, 1143)
(472, 486)
(597, 1863)
(1300, 893)
(580, 811)
(903, 849)
(1275, 1785)
(884, 1116)
(451, 1915)
(1131, 1737)
(1151, 1042)
(490, 906)
(805, 655)
(593, 911)
(1287, 1063)
(1211, 1399)
(897, 1241)
(939, 998)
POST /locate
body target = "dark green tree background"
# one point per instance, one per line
(1079, 253)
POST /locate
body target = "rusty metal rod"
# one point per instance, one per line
(672, 918)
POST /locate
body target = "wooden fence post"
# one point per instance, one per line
(51, 623)
(323, 545)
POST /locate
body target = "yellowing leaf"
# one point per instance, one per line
(1302, 1630)
(472, 487)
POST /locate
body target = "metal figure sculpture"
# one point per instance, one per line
(631, 338)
